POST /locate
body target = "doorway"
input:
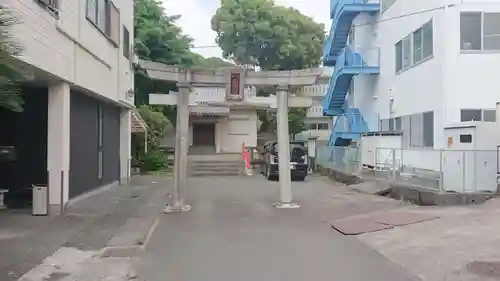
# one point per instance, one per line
(204, 134)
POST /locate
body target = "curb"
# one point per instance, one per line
(131, 250)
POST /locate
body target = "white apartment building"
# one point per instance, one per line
(438, 62)
(79, 112)
(317, 125)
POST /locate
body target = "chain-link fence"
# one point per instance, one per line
(344, 159)
(441, 170)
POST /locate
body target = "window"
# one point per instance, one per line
(417, 129)
(491, 32)
(50, 5)
(489, 115)
(406, 130)
(399, 56)
(391, 124)
(428, 129)
(416, 132)
(486, 115)
(406, 52)
(101, 15)
(415, 48)
(385, 4)
(428, 39)
(479, 31)
(126, 42)
(106, 17)
(384, 125)
(318, 126)
(100, 142)
(114, 27)
(470, 115)
(397, 123)
(466, 138)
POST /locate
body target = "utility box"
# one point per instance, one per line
(40, 200)
(469, 161)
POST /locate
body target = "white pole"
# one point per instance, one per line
(181, 147)
(285, 181)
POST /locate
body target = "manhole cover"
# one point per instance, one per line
(485, 268)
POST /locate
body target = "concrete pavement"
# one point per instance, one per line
(462, 245)
(53, 247)
(234, 233)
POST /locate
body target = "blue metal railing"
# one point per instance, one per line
(337, 5)
(357, 61)
(358, 58)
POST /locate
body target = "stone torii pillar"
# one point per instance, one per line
(177, 203)
(285, 180)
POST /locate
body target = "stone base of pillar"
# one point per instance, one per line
(176, 209)
(286, 205)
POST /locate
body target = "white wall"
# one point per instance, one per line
(239, 127)
(414, 90)
(473, 77)
(449, 81)
(73, 49)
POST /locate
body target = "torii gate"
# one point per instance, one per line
(234, 80)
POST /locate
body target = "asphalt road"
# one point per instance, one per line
(234, 233)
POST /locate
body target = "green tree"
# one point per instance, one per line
(158, 125)
(10, 71)
(158, 128)
(210, 62)
(258, 33)
(159, 39)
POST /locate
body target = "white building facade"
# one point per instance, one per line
(80, 55)
(317, 125)
(437, 63)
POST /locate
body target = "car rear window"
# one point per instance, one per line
(293, 147)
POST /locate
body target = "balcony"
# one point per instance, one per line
(342, 13)
(349, 63)
(313, 91)
(315, 111)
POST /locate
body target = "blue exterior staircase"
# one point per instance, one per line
(342, 13)
(349, 125)
(348, 63)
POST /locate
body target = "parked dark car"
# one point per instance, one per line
(298, 160)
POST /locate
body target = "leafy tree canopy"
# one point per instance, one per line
(10, 71)
(271, 37)
(159, 39)
(210, 62)
(158, 125)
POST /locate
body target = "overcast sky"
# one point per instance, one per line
(196, 15)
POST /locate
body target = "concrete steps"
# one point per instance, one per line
(217, 166)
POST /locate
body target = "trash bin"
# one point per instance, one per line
(40, 200)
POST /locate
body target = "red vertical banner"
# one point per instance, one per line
(235, 84)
